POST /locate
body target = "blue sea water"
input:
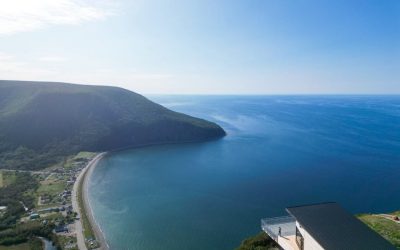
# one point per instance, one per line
(280, 151)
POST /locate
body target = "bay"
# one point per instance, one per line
(279, 151)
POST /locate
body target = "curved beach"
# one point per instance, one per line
(85, 208)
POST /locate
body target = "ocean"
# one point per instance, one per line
(279, 151)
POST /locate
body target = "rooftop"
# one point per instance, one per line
(334, 228)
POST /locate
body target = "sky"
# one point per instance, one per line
(205, 46)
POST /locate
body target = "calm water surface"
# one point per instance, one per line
(280, 151)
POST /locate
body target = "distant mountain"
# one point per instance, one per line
(40, 122)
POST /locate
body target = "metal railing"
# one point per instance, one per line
(285, 224)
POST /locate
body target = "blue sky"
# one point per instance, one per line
(206, 46)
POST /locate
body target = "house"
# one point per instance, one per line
(61, 229)
(322, 226)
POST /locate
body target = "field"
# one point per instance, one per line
(390, 230)
(84, 155)
(6, 178)
(51, 187)
(56, 183)
(70, 162)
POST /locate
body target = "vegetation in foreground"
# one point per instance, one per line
(387, 228)
(259, 242)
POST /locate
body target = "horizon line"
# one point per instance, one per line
(218, 94)
(274, 94)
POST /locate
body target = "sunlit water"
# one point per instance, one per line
(280, 151)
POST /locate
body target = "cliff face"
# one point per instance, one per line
(42, 121)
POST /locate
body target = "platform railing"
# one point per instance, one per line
(279, 226)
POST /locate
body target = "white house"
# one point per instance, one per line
(322, 226)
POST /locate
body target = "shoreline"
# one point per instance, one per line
(80, 195)
(81, 189)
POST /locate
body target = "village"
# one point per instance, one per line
(53, 199)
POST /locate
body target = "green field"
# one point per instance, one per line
(84, 155)
(69, 162)
(51, 188)
(390, 230)
(6, 178)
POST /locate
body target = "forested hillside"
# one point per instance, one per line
(41, 122)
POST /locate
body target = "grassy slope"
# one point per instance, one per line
(42, 122)
(388, 229)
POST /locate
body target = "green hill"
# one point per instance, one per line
(41, 122)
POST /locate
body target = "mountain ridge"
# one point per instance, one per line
(53, 119)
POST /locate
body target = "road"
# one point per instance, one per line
(78, 223)
(80, 238)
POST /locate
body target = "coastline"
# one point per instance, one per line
(80, 197)
(81, 205)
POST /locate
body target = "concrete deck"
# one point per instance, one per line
(288, 242)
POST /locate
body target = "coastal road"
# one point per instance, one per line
(84, 175)
(80, 238)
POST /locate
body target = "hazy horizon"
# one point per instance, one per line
(215, 94)
(205, 47)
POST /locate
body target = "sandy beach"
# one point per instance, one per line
(83, 178)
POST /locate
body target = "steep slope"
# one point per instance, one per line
(41, 122)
